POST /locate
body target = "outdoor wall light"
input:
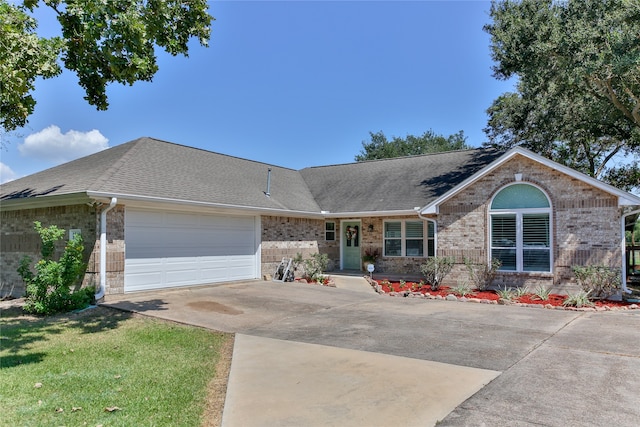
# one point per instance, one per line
(370, 228)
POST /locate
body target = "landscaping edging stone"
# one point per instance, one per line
(451, 297)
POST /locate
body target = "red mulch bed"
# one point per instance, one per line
(554, 300)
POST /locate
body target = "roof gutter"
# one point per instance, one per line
(103, 249)
(404, 212)
(624, 249)
(140, 201)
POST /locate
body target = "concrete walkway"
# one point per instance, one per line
(283, 383)
(352, 283)
(308, 355)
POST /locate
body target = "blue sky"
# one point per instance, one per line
(290, 83)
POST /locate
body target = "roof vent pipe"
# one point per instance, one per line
(268, 192)
(103, 249)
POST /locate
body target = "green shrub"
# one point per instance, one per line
(521, 291)
(436, 269)
(505, 293)
(542, 293)
(579, 299)
(462, 289)
(482, 275)
(597, 280)
(315, 266)
(48, 290)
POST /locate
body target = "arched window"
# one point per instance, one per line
(520, 216)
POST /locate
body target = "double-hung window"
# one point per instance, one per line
(409, 238)
(521, 229)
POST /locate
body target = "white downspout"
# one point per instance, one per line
(103, 249)
(435, 228)
(624, 250)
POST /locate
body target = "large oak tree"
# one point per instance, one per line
(102, 41)
(577, 98)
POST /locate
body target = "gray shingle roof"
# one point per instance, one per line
(393, 184)
(149, 167)
(152, 168)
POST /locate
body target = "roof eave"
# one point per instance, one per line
(44, 201)
(177, 204)
(358, 214)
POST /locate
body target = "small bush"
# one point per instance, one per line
(579, 299)
(436, 269)
(506, 293)
(519, 292)
(597, 280)
(462, 289)
(542, 293)
(482, 275)
(315, 266)
(48, 291)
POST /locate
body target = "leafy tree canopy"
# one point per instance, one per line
(102, 41)
(381, 148)
(577, 98)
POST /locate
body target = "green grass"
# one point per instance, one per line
(155, 372)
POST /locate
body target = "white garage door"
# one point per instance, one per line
(172, 249)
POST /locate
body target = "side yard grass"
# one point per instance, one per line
(110, 368)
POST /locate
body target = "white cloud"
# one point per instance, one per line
(52, 145)
(6, 173)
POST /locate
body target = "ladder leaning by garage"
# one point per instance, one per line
(284, 273)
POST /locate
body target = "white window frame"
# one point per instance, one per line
(519, 213)
(403, 238)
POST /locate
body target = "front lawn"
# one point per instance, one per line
(106, 367)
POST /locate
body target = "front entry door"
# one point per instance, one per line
(351, 245)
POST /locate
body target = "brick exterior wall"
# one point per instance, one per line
(284, 237)
(585, 224)
(18, 238)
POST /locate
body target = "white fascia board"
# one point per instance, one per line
(624, 198)
(133, 200)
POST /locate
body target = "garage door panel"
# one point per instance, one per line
(169, 249)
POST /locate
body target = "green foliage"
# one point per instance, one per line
(521, 291)
(577, 98)
(371, 255)
(482, 275)
(157, 372)
(597, 280)
(632, 236)
(462, 289)
(505, 293)
(436, 269)
(579, 299)
(48, 291)
(542, 293)
(381, 148)
(315, 266)
(23, 58)
(102, 42)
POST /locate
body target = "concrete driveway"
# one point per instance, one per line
(311, 355)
